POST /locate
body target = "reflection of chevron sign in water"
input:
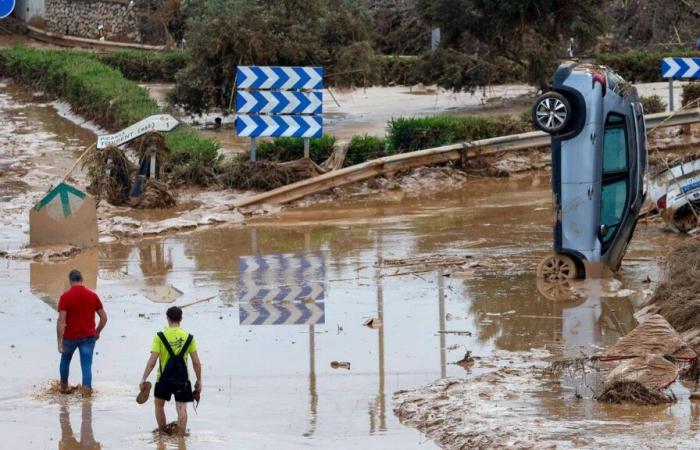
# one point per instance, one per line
(281, 278)
(298, 313)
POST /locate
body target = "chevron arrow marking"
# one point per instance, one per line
(281, 314)
(279, 126)
(279, 78)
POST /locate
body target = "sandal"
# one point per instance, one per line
(144, 392)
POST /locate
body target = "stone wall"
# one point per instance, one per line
(82, 18)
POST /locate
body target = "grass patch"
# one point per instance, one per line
(417, 133)
(291, 149)
(141, 65)
(365, 148)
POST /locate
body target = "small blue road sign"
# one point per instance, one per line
(282, 313)
(283, 102)
(677, 68)
(6, 8)
(279, 78)
(281, 278)
(279, 126)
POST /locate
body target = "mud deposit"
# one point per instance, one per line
(403, 287)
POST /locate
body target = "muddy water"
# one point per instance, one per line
(272, 386)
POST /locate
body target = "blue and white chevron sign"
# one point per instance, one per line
(273, 102)
(281, 278)
(680, 68)
(279, 78)
(279, 126)
(282, 314)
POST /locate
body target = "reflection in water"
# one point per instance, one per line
(87, 438)
(441, 310)
(378, 406)
(48, 280)
(155, 264)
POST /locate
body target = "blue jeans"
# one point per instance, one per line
(85, 347)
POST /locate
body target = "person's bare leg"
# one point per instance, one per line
(160, 413)
(181, 417)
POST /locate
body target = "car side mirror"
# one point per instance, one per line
(602, 231)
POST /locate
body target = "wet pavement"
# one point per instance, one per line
(269, 380)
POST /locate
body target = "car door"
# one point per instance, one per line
(615, 188)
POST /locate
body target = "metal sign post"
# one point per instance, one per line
(678, 69)
(279, 102)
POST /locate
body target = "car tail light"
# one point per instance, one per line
(600, 78)
(661, 203)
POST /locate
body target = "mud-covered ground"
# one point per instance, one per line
(440, 260)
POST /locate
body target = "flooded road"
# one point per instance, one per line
(272, 385)
(274, 371)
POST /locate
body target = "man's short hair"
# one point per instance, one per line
(174, 314)
(75, 276)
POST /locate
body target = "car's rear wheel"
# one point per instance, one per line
(557, 267)
(551, 113)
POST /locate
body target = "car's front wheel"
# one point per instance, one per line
(551, 113)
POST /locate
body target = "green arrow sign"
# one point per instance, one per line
(62, 192)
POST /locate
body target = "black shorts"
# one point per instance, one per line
(164, 391)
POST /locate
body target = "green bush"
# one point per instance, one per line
(139, 65)
(639, 66)
(290, 149)
(365, 148)
(691, 92)
(652, 104)
(410, 134)
(93, 89)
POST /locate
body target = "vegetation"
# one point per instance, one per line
(365, 148)
(225, 33)
(100, 93)
(290, 149)
(532, 34)
(639, 66)
(652, 104)
(691, 93)
(410, 134)
(93, 89)
(140, 65)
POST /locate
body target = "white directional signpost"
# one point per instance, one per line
(279, 102)
(678, 68)
(281, 289)
(159, 122)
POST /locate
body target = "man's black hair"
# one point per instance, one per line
(174, 314)
(75, 276)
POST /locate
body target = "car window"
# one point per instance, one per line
(615, 145)
(612, 206)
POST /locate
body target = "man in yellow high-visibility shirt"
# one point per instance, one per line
(172, 347)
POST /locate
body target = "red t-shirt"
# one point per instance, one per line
(80, 305)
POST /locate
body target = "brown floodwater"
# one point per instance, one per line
(274, 385)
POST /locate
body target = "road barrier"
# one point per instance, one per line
(454, 152)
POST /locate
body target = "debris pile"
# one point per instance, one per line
(109, 172)
(155, 195)
(644, 363)
(419, 264)
(677, 298)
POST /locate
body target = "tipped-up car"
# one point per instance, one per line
(599, 158)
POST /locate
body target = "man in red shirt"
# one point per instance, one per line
(75, 329)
